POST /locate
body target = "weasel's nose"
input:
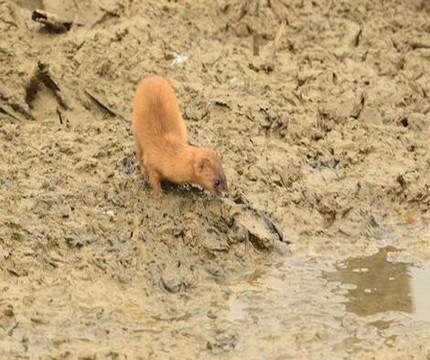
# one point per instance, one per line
(224, 191)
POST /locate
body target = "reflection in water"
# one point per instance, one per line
(376, 285)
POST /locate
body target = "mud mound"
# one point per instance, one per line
(320, 110)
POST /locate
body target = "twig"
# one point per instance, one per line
(60, 116)
(10, 108)
(356, 37)
(419, 45)
(51, 21)
(255, 44)
(5, 111)
(256, 7)
(358, 107)
(279, 34)
(101, 104)
(41, 78)
(276, 43)
(255, 35)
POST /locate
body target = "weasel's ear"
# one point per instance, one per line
(203, 164)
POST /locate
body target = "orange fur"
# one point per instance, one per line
(161, 142)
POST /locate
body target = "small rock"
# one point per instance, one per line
(213, 244)
(258, 230)
(211, 314)
(172, 281)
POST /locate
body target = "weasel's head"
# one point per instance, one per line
(209, 171)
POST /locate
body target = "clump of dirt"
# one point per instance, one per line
(320, 111)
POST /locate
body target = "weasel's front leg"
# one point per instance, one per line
(155, 181)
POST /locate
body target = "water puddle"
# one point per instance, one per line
(374, 284)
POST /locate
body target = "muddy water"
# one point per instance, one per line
(297, 308)
(375, 284)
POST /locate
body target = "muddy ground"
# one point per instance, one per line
(321, 112)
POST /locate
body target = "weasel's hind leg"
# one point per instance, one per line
(139, 155)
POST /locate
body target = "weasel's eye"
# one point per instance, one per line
(217, 182)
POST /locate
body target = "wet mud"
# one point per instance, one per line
(321, 113)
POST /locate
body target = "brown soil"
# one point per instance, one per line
(325, 141)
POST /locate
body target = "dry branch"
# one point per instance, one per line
(51, 21)
(42, 78)
(256, 44)
(5, 111)
(101, 104)
(278, 37)
(11, 108)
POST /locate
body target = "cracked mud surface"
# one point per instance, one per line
(325, 143)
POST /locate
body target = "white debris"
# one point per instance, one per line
(179, 59)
